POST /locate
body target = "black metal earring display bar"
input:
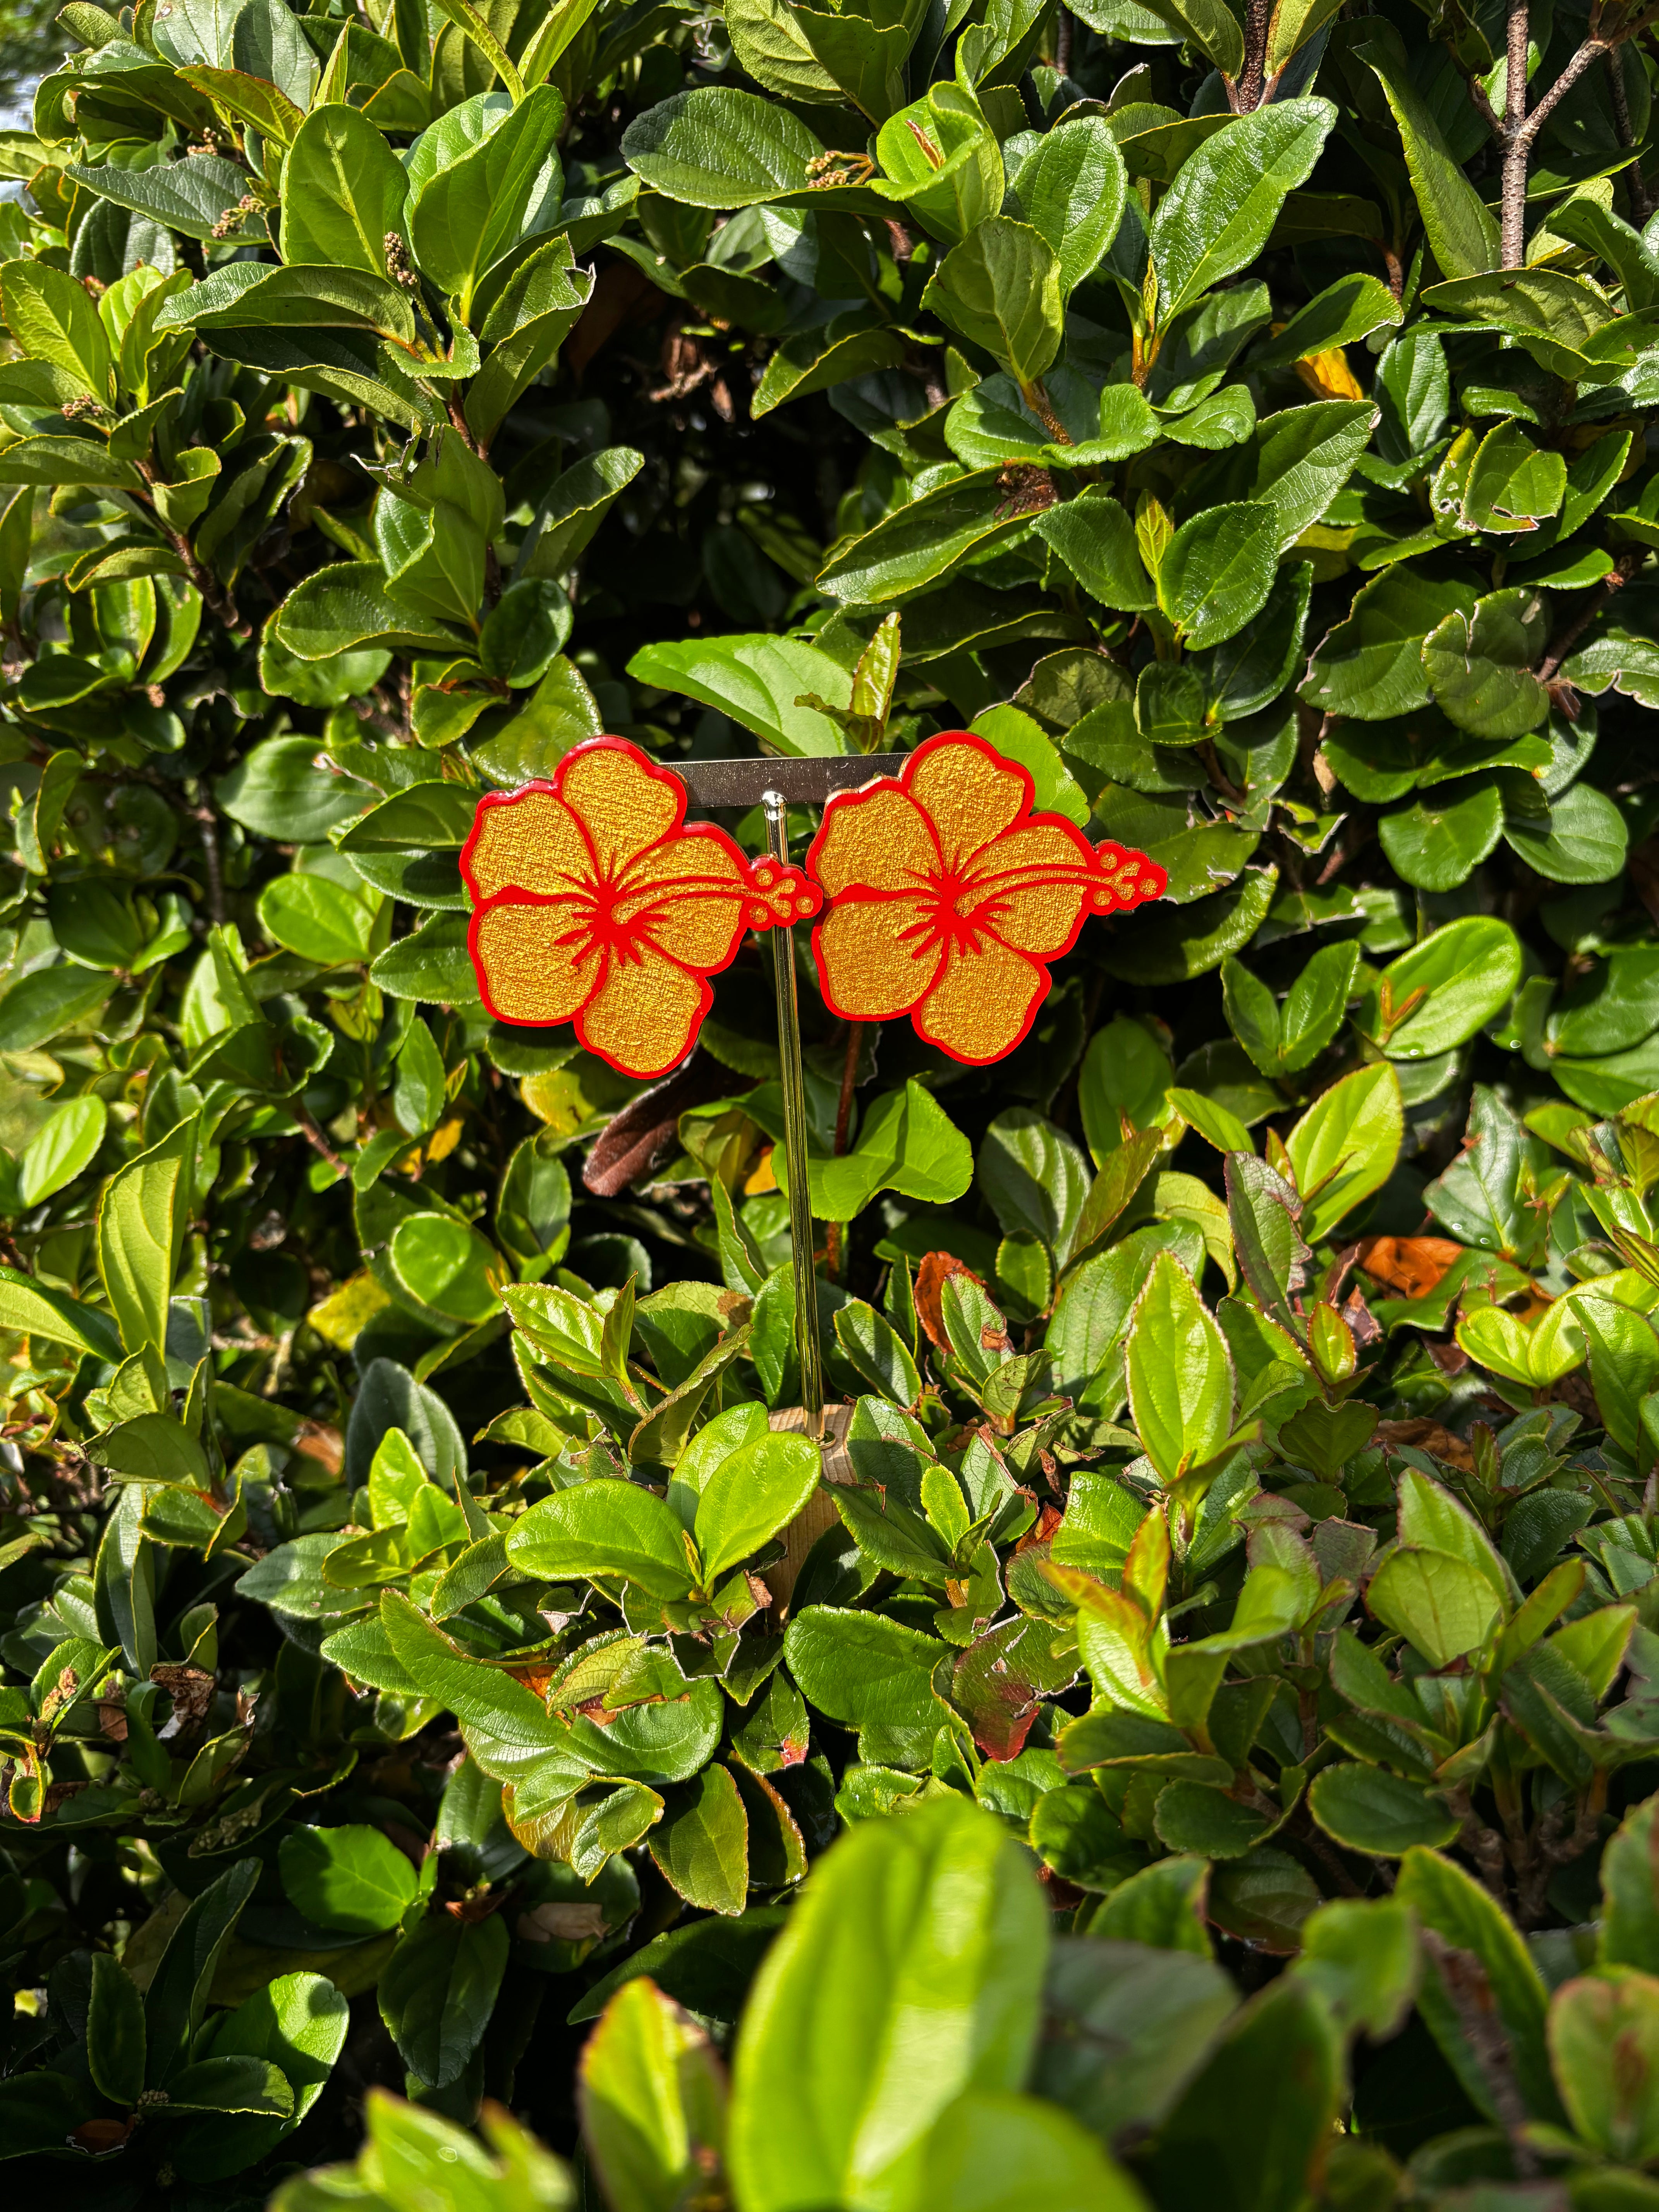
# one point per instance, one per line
(804, 782)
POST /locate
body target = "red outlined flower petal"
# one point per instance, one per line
(532, 959)
(873, 840)
(984, 1002)
(969, 794)
(623, 802)
(645, 1014)
(1033, 886)
(876, 957)
(527, 841)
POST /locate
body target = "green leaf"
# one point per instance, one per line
(1630, 1893)
(1440, 1604)
(277, 790)
(115, 2032)
(604, 1528)
(1000, 289)
(431, 964)
(1250, 2129)
(298, 2024)
(1366, 1809)
(1163, 1907)
(1180, 1373)
(933, 1921)
(190, 196)
(804, 363)
(1350, 308)
(923, 542)
(349, 1877)
(1209, 25)
(445, 1265)
(701, 1847)
(1587, 841)
(870, 1674)
(573, 508)
(475, 180)
(907, 1144)
(1370, 666)
(141, 1217)
(474, 28)
(317, 918)
(1191, 1816)
(231, 2085)
(176, 2001)
(481, 1696)
(1480, 664)
(1623, 1364)
(62, 1147)
(875, 1349)
(53, 319)
(753, 1494)
(1438, 842)
(1218, 214)
(1007, 2154)
(350, 606)
(1303, 458)
(943, 157)
(1146, 1990)
(1096, 539)
(1035, 1177)
(1604, 2046)
(720, 148)
(758, 681)
(1071, 189)
(528, 320)
(1462, 231)
(1217, 570)
(653, 2100)
(438, 1989)
(252, 295)
(1512, 486)
(1345, 1146)
(1361, 1956)
(1451, 1902)
(343, 191)
(1447, 987)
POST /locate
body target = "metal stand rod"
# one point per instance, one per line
(795, 1140)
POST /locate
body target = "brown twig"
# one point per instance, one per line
(1641, 206)
(1517, 147)
(1036, 396)
(1245, 97)
(1517, 128)
(208, 822)
(216, 597)
(1552, 1849)
(1218, 777)
(1562, 644)
(849, 1080)
(849, 1083)
(315, 1136)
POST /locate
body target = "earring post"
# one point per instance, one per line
(794, 1137)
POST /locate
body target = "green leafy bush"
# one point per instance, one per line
(1206, 1692)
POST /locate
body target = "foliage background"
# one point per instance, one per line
(1248, 1517)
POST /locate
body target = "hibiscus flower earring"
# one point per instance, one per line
(948, 896)
(594, 904)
